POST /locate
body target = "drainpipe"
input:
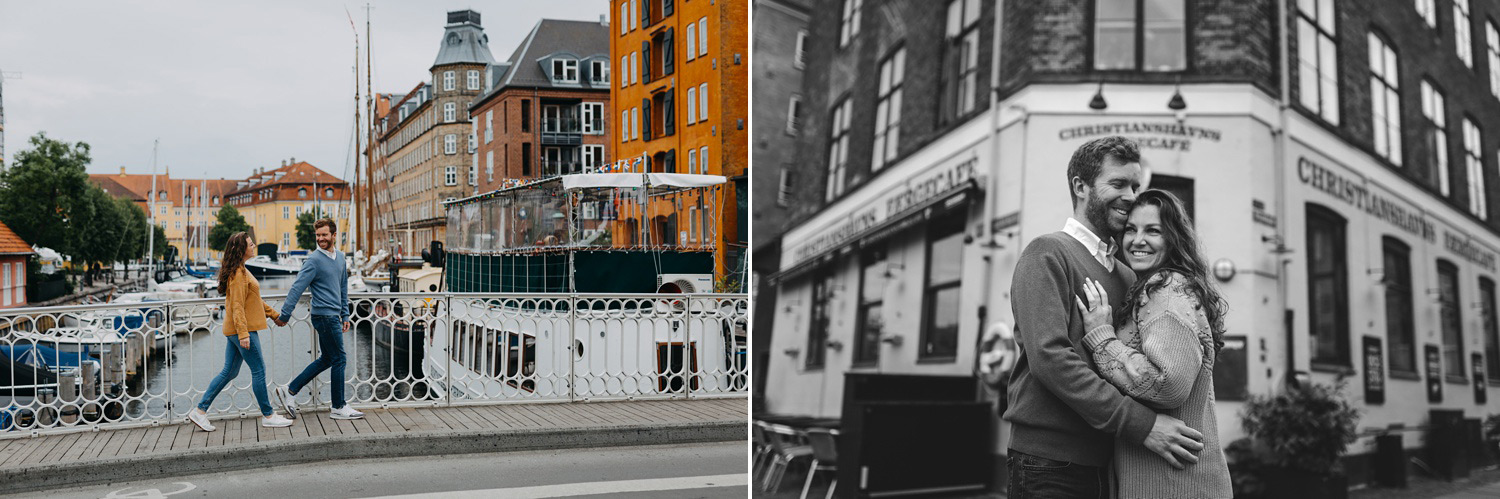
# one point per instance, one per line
(990, 201)
(1282, 206)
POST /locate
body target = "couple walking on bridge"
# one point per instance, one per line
(325, 273)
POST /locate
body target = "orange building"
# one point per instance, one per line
(184, 206)
(13, 255)
(681, 95)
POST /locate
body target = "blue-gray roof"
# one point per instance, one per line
(464, 41)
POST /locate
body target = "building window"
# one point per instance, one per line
(450, 144)
(940, 312)
(870, 320)
(1148, 35)
(1434, 109)
(593, 156)
(1428, 10)
(692, 39)
(328, 193)
(450, 112)
(286, 240)
(624, 14)
(599, 72)
(450, 175)
(489, 126)
(692, 102)
(849, 27)
(447, 80)
(693, 224)
(888, 111)
(1328, 287)
(703, 160)
(961, 59)
(1317, 59)
(1491, 332)
(178, 225)
(635, 123)
(1474, 165)
(1462, 38)
(784, 187)
(1492, 41)
(489, 166)
(702, 36)
(473, 174)
(565, 70)
(624, 65)
(1451, 319)
(692, 160)
(526, 115)
(793, 115)
(635, 67)
(799, 60)
(1385, 101)
(525, 159)
(552, 119)
(624, 120)
(473, 79)
(703, 102)
(838, 150)
(1400, 329)
(817, 331)
(593, 118)
(635, 12)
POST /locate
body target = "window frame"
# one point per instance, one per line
(1488, 328)
(1474, 168)
(793, 114)
(820, 318)
(784, 186)
(1463, 36)
(866, 349)
(1397, 282)
(692, 105)
(692, 38)
(1385, 94)
(1427, 10)
(1139, 27)
(1318, 103)
(799, 54)
(849, 22)
(1324, 218)
(838, 148)
(960, 66)
(940, 228)
(1450, 301)
(449, 80)
(1434, 109)
(472, 79)
(888, 97)
(450, 144)
(450, 112)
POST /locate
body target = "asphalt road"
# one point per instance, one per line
(675, 471)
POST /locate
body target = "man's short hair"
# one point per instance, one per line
(1089, 159)
(334, 226)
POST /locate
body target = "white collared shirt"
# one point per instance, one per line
(333, 256)
(1103, 250)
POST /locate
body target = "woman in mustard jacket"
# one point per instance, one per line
(244, 314)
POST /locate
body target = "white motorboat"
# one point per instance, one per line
(376, 279)
(185, 319)
(87, 340)
(262, 266)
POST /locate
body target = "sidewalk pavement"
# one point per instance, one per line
(105, 456)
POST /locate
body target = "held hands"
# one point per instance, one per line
(245, 342)
(1096, 311)
(1174, 441)
(346, 326)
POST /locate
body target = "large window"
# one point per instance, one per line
(599, 72)
(489, 126)
(692, 102)
(888, 111)
(565, 70)
(450, 112)
(1328, 287)
(703, 102)
(703, 36)
(450, 144)
(849, 27)
(593, 117)
(1317, 59)
(838, 150)
(473, 79)
(960, 59)
(1463, 42)
(1385, 100)
(1400, 329)
(940, 296)
(1145, 35)
(692, 40)
(822, 310)
(1428, 10)
(1436, 138)
(450, 175)
(871, 317)
(1492, 43)
(1474, 166)
(1490, 332)
(447, 80)
(1451, 320)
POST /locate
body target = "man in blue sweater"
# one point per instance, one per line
(324, 271)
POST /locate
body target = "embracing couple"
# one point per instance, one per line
(1118, 327)
(245, 314)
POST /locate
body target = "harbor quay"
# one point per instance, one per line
(99, 393)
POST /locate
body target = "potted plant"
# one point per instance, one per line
(1304, 430)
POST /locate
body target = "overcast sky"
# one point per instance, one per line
(226, 87)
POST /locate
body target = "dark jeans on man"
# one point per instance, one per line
(1034, 477)
(331, 344)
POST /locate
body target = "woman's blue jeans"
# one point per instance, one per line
(233, 355)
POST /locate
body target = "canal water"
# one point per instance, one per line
(373, 372)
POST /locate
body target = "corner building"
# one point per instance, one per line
(1341, 174)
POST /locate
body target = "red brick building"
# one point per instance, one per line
(544, 110)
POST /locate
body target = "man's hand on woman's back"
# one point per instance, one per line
(1174, 441)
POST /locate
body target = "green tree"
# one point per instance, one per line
(306, 238)
(41, 189)
(160, 248)
(132, 243)
(95, 227)
(229, 222)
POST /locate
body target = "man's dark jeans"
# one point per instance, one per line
(1033, 477)
(331, 346)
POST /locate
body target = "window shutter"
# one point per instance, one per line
(646, 61)
(645, 12)
(671, 166)
(666, 53)
(669, 115)
(666, 8)
(646, 127)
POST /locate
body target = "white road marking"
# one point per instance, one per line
(586, 488)
(149, 493)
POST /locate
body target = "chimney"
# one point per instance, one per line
(294, 160)
(122, 170)
(603, 21)
(283, 163)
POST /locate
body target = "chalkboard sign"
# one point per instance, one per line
(1434, 373)
(1374, 356)
(1477, 366)
(1231, 371)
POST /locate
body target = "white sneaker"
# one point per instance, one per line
(200, 419)
(345, 412)
(287, 401)
(275, 421)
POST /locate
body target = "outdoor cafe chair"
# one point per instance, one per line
(825, 451)
(786, 447)
(760, 437)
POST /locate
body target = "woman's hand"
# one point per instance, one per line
(1096, 311)
(245, 343)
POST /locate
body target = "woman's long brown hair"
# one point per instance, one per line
(236, 251)
(1182, 256)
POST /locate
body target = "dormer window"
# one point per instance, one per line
(216, 200)
(328, 193)
(599, 72)
(302, 192)
(565, 70)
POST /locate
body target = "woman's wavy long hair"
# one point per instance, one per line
(1183, 256)
(236, 251)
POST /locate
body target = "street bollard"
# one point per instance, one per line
(67, 385)
(46, 415)
(90, 391)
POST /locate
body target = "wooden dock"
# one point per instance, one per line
(19, 453)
